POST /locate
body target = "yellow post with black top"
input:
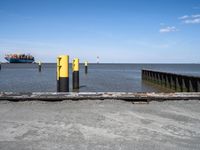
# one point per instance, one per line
(63, 73)
(39, 66)
(86, 67)
(75, 74)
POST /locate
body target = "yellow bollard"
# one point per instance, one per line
(63, 73)
(75, 74)
(86, 67)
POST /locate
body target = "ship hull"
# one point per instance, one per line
(14, 60)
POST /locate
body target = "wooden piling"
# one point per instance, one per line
(86, 67)
(39, 66)
(198, 85)
(176, 82)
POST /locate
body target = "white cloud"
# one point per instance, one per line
(196, 16)
(193, 19)
(168, 29)
(184, 17)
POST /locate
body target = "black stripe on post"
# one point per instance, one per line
(39, 68)
(76, 80)
(58, 85)
(63, 84)
(86, 69)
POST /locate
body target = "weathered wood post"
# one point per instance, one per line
(155, 77)
(172, 82)
(198, 85)
(177, 85)
(148, 75)
(181, 83)
(159, 79)
(187, 84)
(162, 79)
(142, 71)
(150, 78)
(195, 84)
(168, 81)
(184, 87)
(191, 85)
(165, 80)
(176, 82)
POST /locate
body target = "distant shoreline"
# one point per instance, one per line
(114, 63)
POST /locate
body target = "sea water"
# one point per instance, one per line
(100, 77)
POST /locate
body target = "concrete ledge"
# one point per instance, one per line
(134, 97)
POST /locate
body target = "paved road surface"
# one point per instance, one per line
(99, 125)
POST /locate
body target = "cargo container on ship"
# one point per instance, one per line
(19, 58)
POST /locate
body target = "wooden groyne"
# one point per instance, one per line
(176, 82)
(133, 97)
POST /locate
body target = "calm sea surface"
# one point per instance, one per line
(100, 77)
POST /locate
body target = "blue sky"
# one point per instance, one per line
(118, 31)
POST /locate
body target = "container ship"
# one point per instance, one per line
(19, 58)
